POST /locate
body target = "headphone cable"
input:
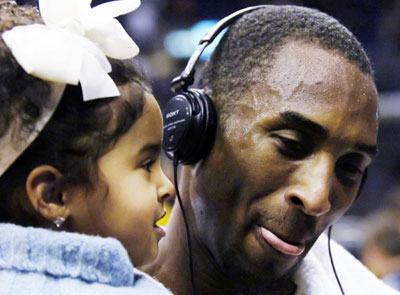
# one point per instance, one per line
(330, 257)
(188, 237)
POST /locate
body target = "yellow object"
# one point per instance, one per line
(164, 220)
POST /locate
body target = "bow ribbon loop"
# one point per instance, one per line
(73, 44)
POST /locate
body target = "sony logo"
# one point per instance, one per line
(172, 114)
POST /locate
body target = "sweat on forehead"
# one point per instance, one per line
(249, 48)
(299, 65)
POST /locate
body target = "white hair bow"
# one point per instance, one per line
(73, 44)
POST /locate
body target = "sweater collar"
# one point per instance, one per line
(61, 254)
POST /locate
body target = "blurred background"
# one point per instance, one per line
(167, 32)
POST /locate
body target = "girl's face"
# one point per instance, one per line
(130, 202)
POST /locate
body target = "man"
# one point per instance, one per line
(297, 128)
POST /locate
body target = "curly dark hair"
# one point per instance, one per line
(77, 134)
(249, 46)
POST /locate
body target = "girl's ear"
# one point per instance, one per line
(43, 187)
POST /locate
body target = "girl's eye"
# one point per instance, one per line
(148, 164)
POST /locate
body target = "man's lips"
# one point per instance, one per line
(279, 244)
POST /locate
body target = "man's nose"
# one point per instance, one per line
(312, 185)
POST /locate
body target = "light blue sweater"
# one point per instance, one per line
(39, 261)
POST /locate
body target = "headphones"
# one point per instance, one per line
(190, 117)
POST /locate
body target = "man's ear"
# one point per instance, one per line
(43, 187)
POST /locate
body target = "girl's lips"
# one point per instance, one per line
(280, 245)
(160, 231)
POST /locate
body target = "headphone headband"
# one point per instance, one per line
(186, 78)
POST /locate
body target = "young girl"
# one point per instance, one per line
(78, 177)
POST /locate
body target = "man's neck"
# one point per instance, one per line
(172, 268)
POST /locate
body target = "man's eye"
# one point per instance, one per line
(348, 172)
(292, 148)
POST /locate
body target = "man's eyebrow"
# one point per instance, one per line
(371, 150)
(303, 122)
(151, 147)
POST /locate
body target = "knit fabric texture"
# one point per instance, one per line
(41, 261)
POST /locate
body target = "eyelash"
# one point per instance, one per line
(147, 165)
(292, 148)
(354, 169)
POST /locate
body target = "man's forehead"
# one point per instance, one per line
(299, 64)
(304, 71)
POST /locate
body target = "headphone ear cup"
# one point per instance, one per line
(190, 123)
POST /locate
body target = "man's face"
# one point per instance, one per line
(288, 164)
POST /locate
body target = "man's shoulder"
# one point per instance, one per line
(315, 274)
